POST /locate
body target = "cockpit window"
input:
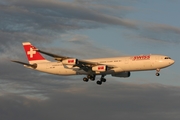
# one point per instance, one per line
(167, 58)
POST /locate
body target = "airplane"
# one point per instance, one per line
(115, 66)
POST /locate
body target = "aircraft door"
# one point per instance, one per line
(126, 64)
(127, 61)
(154, 61)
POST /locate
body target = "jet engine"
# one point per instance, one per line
(70, 61)
(99, 68)
(121, 74)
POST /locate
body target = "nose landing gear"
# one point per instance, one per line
(157, 72)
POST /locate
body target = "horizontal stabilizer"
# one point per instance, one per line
(27, 64)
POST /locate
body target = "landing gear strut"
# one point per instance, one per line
(157, 72)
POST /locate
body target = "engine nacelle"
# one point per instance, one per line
(121, 74)
(70, 61)
(99, 68)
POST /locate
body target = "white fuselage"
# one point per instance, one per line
(121, 64)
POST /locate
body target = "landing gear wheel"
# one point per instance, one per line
(91, 77)
(157, 74)
(85, 79)
(99, 82)
(103, 79)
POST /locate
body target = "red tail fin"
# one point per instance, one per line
(32, 55)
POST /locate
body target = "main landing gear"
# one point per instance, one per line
(92, 78)
(102, 79)
(157, 72)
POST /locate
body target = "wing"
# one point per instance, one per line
(82, 64)
(26, 64)
(60, 58)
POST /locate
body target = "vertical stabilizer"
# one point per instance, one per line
(33, 56)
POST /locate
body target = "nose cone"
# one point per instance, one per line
(171, 62)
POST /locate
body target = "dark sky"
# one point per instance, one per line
(31, 95)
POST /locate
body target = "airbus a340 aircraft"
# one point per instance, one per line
(116, 66)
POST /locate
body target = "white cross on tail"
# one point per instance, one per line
(31, 52)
